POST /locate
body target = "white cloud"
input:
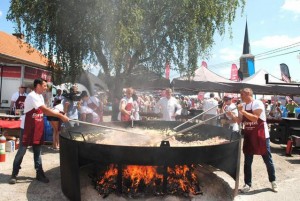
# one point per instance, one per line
(275, 41)
(1, 13)
(228, 54)
(292, 5)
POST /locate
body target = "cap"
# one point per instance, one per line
(227, 97)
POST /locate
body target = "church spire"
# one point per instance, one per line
(247, 67)
(246, 46)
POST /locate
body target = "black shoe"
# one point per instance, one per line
(40, 176)
(13, 179)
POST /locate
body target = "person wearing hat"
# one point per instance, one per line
(17, 101)
(229, 106)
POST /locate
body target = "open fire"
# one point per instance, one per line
(136, 181)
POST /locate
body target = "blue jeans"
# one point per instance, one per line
(20, 154)
(268, 161)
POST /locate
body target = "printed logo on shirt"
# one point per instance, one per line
(250, 123)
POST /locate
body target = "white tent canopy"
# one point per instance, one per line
(259, 78)
(205, 75)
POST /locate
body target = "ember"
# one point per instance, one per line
(148, 181)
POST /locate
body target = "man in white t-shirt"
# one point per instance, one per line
(32, 130)
(211, 106)
(256, 137)
(168, 106)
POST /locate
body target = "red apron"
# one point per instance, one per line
(33, 128)
(126, 117)
(254, 136)
(20, 102)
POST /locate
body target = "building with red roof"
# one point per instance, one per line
(20, 64)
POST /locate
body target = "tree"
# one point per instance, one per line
(119, 34)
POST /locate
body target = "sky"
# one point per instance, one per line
(273, 27)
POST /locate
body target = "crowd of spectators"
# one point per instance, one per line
(277, 110)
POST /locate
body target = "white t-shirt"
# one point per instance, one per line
(33, 101)
(209, 103)
(233, 109)
(257, 104)
(168, 107)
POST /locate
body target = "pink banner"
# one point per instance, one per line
(204, 64)
(234, 73)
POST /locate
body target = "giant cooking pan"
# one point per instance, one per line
(74, 153)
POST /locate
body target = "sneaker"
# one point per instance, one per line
(13, 179)
(40, 176)
(274, 186)
(246, 188)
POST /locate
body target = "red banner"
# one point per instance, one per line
(33, 73)
(167, 70)
(234, 73)
(11, 71)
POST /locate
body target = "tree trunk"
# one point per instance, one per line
(116, 93)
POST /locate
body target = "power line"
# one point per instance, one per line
(277, 55)
(263, 54)
(279, 49)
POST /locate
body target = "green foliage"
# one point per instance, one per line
(119, 34)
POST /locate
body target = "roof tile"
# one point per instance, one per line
(13, 47)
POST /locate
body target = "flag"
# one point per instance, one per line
(167, 70)
(285, 76)
(285, 73)
(204, 64)
(234, 73)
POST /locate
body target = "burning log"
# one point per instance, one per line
(140, 181)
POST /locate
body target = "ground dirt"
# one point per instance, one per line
(217, 185)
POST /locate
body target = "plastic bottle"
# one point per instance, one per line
(2, 148)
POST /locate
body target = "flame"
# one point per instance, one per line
(144, 175)
(180, 179)
(184, 177)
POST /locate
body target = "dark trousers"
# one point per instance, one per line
(22, 151)
(268, 161)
